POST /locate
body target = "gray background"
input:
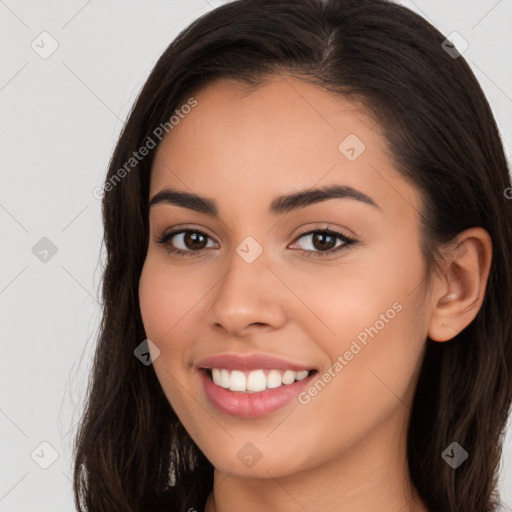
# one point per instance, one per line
(59, 120)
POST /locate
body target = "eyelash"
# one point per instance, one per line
(348, 242)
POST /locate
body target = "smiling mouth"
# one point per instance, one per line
(256, 380)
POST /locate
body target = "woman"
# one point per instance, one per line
(307, 233)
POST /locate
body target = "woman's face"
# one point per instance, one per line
(264, 290)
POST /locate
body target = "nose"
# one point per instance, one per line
(249, 297)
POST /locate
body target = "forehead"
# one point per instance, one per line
(283, 135)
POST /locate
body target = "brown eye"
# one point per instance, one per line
(185, 241)
(193, 240)
(324, 242)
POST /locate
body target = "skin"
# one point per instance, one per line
(345, 449)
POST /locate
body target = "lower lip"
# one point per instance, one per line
(252, 405)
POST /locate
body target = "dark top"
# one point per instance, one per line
(165, 502)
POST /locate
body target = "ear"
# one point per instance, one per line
(460, 288)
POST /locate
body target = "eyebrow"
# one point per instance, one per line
(281, 204)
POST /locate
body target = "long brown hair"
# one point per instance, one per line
(130, 447)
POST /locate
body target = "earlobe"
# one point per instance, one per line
(460, 290)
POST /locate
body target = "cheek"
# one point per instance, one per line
(369, 390)
(371, 315)
(170, 304)
(164, 303)
(375, 361)
(339, 302)
(165, 298)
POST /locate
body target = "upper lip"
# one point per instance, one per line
(249, 362)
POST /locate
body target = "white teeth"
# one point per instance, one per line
(238, 381)
(274, 379)
(302, 375)
(288, 376)
(255, 381)
(225, 379)
(216, 377)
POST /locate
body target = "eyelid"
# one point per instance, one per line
(324, 227)
(185, 227)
